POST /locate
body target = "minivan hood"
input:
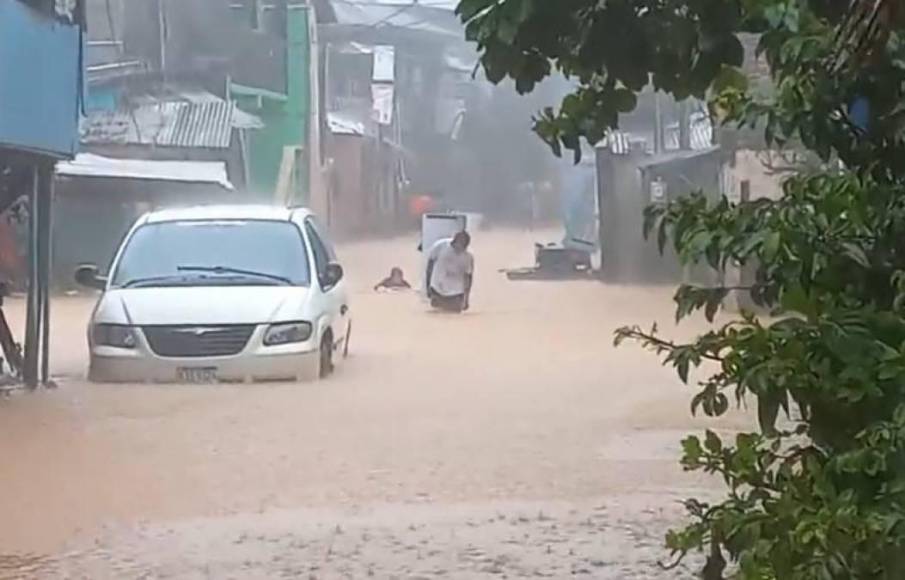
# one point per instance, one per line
(203, 305)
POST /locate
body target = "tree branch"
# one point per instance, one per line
(663, 345)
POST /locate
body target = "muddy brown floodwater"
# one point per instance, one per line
(511, 441)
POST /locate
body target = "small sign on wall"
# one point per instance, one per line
(658, 191)
(728, 185)
(382, 96)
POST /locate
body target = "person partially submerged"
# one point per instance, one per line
(450, 273)
(395, 281)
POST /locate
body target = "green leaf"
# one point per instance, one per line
(768, 405)
(771, 246)
(733, 51)
(797, 299)
(682, 367)
(720, 405)
(692, 450)
(716, 258)
(714, 302)
(697, 245)
(624, 100)
(650, 221)
(712, 442)
(662, 236)
(507, 30)
(856, 253)
(468, 9)
(697, 401)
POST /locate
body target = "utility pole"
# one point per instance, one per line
(162, 35)
(658, 124)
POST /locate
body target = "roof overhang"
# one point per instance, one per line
(88, 165)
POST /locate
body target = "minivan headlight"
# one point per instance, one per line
(117, 335)
(287, 333)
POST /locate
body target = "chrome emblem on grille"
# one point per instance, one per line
(200, 330)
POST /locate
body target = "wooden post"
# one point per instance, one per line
(36, 364)
(32, 316)
(45, 257)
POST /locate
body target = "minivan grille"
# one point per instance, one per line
(198, 341)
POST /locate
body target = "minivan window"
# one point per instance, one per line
(319, 249)
(321, 234)
(221, 252)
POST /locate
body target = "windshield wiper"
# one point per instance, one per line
(239, 271)
(152, 280)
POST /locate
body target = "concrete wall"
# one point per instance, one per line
(623, 193)
(318, 192)
(99, 212)
(351, 200)
(623, 190)
(285, 119)
(752, 166)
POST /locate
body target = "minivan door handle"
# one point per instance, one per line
(343, 309)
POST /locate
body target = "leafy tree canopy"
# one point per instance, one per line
(823, 56)
(821, 494)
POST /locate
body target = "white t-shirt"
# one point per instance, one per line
(450, 268)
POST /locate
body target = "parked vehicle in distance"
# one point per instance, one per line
(219, 294)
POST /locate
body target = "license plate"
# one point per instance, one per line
(196, 375)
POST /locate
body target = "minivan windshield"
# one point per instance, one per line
(208, 252)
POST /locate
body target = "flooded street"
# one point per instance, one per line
(513, 440)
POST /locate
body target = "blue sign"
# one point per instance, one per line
(40, 81)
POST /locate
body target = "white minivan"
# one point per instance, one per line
(220, 294)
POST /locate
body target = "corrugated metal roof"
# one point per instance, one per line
(700, 136)
(241, 119)
(441, 4)
(700, 133)
(426, 17)
(206, 124)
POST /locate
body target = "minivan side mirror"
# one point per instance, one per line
(333, 275)
(87, 275)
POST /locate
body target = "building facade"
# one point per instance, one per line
(41, 72)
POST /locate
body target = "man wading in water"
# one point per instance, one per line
(450, 270)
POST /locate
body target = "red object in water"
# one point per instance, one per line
(420, 205)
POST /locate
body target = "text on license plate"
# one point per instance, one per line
(196, 374)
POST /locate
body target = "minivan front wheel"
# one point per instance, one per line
(326, 355)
